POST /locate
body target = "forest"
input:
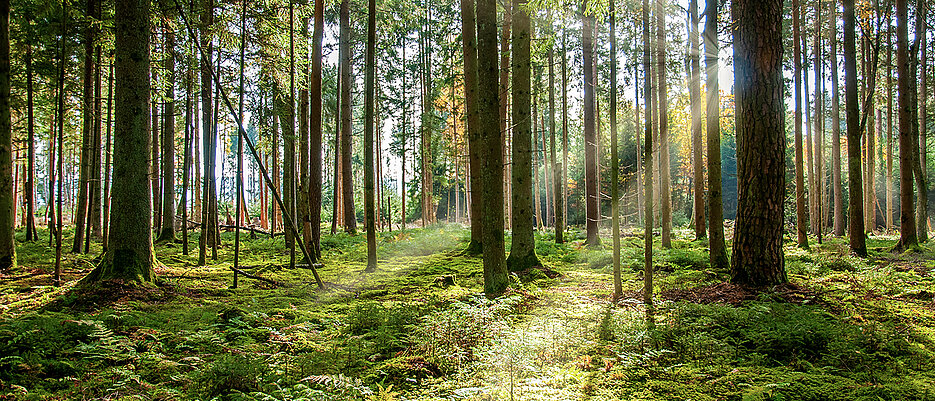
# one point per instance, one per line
(391, 200)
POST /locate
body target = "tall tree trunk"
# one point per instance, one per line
(60, 170)
(469, 48)
(716, 245)
(130, 254)
(491, 169)
(105, 203)
(855, 212)
(154, 170)
(87, 118)
(836, 131)
(7, 199)
(908, 236)
(315, 133)
(890, 198)
(800, 228)
(287, 121)
(523, 246)
(168, 144)
(695, 100)
(819, 126)
(347, 185)
(614, 158)
(31, 232)
(427, 121)
(557, 191)
(303, 208)
(187, 153)
(590, 137)
(921, 130)
(648, 171)
(207, 231)
(369, 94)
(662, 93)
(405, 125)
(564, 130)
(93, 227)
(758, 254)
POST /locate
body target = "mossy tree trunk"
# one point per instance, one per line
(523, 246)
(129, 253)
(491, 165)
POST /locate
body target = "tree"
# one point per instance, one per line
(716, 245)
(695, 100)
(590, 136)
(757, 254)
(800, 220)
(347, 184)
(30, 187)
(855, 211)
(890, 206)
(663, 105)
(558, 191)
(369, 88)
(648, 171)
(836, 132)
(130, 253)
(7, 198)
(523, 246)
(167, 232)
(491, 190)
(614, 158)
(469, 48)
(87, 118)
(315, 132)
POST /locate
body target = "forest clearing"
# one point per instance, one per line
(472, 200)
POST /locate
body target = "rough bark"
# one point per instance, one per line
(836, 132)
(663, 104)
(7, 198)
(30, 187)
(469, 48)
(315, 132)
(130, 253)
(167, 231)
(369, 128)
(800, 220)
(590, 136)
(87, 118)
(614, 157)
(695, 100)
(757, 254)
(648, 172)
(347, 184)
(523, 246)
(491, 191)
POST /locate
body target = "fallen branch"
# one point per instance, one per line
(255, 277)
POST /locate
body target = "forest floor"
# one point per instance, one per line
(418, 328)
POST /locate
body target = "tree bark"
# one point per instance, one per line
(315, 133)
(369, 94)
(890, 197)
(614, 157)
(800, 228)
(590, 137)
(167, 232)
(648, 171)
(7, 198)
(469, 48)
(758, 255)
(836, 131)
(663, 103)
(855, 212)
(30, 188)
(523, 246)
(491, 169)
(695, 100)
(130, 253)
(87, 118)
(347, 184)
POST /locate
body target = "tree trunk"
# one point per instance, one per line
(614, 158)
(369, 94)
(662, 93)
(523, 246)
(154, 171)
(87, 118)
(921, 131)
(716, 245)
(130, 254)
(303, 190)
(287, 121)
(315, 133)
(836, 131)
(761, 143)
(347, 185)
(695, 100)
(469, 47)
(890, 198)
(648, 171)
(60, 170)
(855, 212)
(504, 105)
(491, 168)
(7, 199)
(187, 154)
(207, 229)
(800, 228)
(819, 126)
(564, 210)
(168, 144)
(590, 137)
(31, 232)
(557, 187)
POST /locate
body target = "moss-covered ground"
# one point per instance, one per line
(418, 328)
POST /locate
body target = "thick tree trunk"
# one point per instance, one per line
(491, 169)
(347, 184)
(207, 227)
(758, 255)
(855, 212)
(469, 48)
(130, 253)
(7, 199)
(302, 208)
(87, 119)
(504, 106)
(523, 246)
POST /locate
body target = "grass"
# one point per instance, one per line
(418, 328)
